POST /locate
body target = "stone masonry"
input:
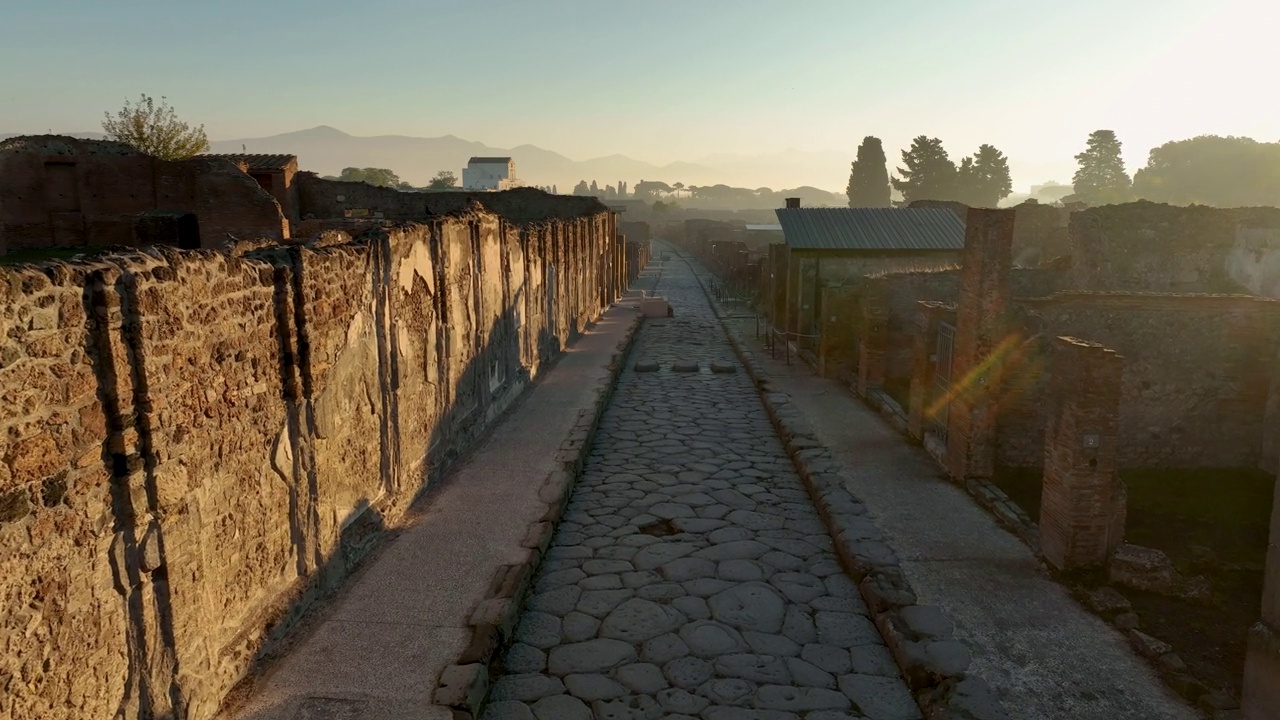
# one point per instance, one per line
(691, 575)
(198, 445)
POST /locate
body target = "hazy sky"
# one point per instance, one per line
(660, 80)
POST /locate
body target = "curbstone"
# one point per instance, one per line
(463, 687)
(919, 637)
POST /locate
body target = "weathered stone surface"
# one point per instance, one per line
(687, 672)
(749, 606)
(561, 707)
(643, 678)
(710, 639)
(524, 688)
(637, 620)
(593, 686)
(1143, 569)
(592, 656)
(507, 710)
(756, 668)
(523, 659)
(879, 697)
(800, 699)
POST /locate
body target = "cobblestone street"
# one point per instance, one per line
(691, 576)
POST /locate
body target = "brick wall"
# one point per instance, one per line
(216, 440)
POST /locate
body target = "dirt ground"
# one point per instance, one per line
(1212, 523)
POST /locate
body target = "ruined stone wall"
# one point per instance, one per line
(64, 192)
(198, 444)
(1197, 375)
(848, 270)
(1150, 247)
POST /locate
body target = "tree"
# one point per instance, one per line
(650, 188)
(581, 188)
(983, 180)
(1211, 170)
(443, 180)
(155, 130)
(929, 173)
(380, 177)
(869, 176)
(1101, 178)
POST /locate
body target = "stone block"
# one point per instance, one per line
(1143, 568)
(462, 686)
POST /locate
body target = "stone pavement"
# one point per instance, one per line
(690, 575)
(1043, 654)
(378, 649)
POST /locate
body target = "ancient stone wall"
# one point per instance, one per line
(1196, 382)
(63, 192)
(1150, 247)
(198, 444)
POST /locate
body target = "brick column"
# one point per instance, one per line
(979, 344)
(923, 365)
(1082, 507)
(1261, 699)
(873, 336)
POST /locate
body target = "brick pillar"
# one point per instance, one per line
(1261, 700)
(777, 284)
(1082, 508)
(873, 336)
(980, 343)
(923, 365)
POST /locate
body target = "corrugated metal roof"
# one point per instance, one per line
(489, 161)
(256, 161)
(871, 228)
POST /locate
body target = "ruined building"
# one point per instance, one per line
(61, 192)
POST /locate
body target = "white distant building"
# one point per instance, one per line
(490, 173)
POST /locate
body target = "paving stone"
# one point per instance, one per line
(599, 603)
(561, 707)
(593, 686)
(640, 578)
(677, 700)
(734, 550)
(724, 713)
(798, 625)
(845, 629)
(694, 608)
(705, 587)
(663, 649)
(708, 639)
(634, 707)
(800, 699)
(524, 688)
(601, 567)
(740, 570)
(728, 691)
(559, 578)
(601, 582)
(687, 672)
(557, 602)
(807, 674)
(688, 568)
(729, 534)
(578, 627)
(659, 554)
(873, 660)
(507, 710)
(522, 658)
(643, 678)
(661, 592)
(749, 606)
(770, 644)
(637, 620)
(591, 656)
(539, 630)
(879, 697)
(828, 658)
(799, 587)
(756, 668)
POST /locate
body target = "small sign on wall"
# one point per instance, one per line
(355, 212)
(1092, 442)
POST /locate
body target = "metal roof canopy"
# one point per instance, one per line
(871, 228)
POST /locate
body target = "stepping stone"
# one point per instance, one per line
(646, 367)
(723, 367)
(684, 367)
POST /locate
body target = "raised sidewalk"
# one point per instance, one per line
(377, 648)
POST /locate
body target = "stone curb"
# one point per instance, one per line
(933, 663)
(463, 686)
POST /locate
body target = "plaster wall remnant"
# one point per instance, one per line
(196, 445)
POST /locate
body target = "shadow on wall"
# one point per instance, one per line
(232, 403)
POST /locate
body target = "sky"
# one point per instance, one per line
(660, 80)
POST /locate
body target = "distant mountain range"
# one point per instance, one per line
(326, 150)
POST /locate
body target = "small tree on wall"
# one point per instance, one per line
(443, 180)
(155, 130)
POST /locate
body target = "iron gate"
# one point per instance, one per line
(942, 381)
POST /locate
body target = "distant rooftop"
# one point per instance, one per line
(489, 161)
(256, 161)
(765, 228)
(871, 228)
